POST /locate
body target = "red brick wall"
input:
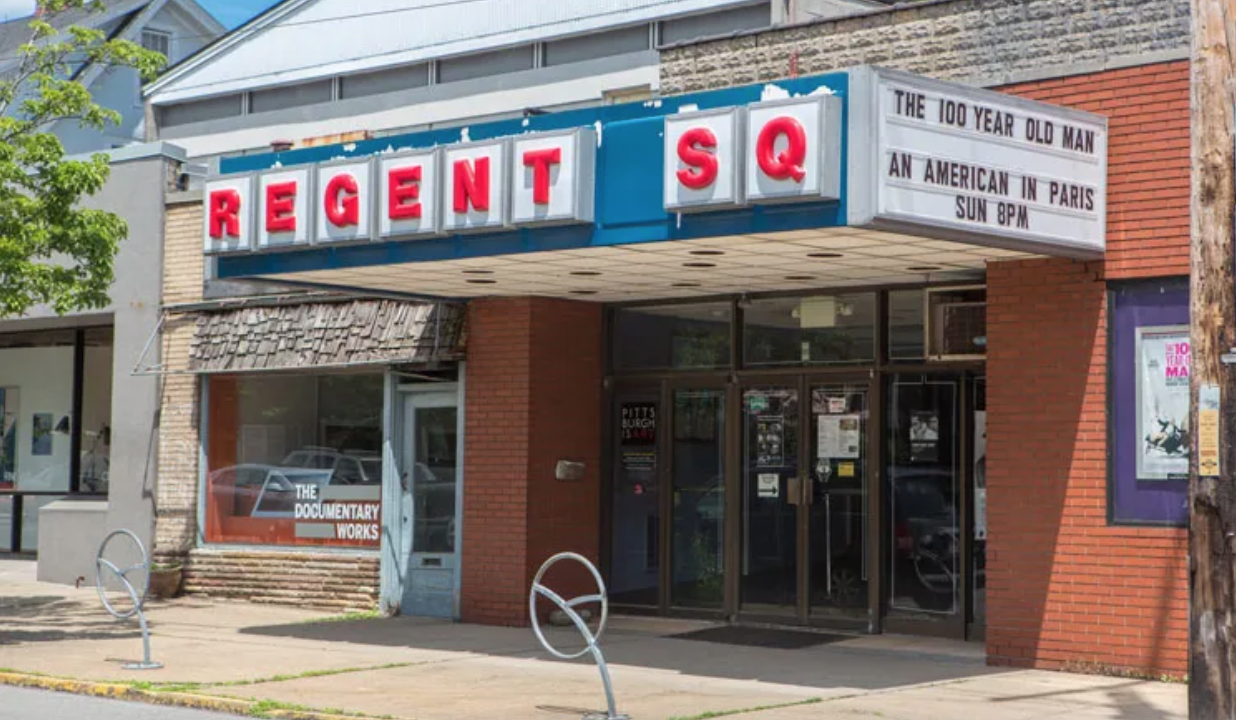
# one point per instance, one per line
(1065, 589)
(497, 397)
(1148, 161)
(533, 397)
(566, 425)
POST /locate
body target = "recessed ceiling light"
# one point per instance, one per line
(923, 268)
(479, 281)
(823, 255)
(699, 265)
(685, 285)
(583, 292)
(799, 277)
(585, 273)
(478, 272)
(707, 252)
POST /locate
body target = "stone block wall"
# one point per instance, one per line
(982, 42)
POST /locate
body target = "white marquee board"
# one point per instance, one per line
(953, 161)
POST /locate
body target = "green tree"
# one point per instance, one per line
(52, 250)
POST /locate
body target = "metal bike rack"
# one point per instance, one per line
(568, 607)
(138, 600)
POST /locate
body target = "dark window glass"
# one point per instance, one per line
(200, 111)
(699, 498)
(289, 96)
(596, 45)
(634, 575)
(384, 81)
(498, 62)
(824, 329)
(672, 336)
(713, 24)
(906, 335)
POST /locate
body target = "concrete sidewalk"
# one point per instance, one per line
(430, 670)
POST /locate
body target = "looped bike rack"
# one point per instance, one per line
(568, 608)
(139, 600)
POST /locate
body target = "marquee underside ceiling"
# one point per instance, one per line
(799, 260)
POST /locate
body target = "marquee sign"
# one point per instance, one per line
(958, 161)
(536, 179)
(925, 158)
(780, 151)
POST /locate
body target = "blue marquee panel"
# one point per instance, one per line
(628, 188)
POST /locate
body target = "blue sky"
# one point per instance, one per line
(230, 12)
(234, 12)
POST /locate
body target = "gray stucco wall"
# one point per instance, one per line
(135, 191)
(980, 42)
(139, 177)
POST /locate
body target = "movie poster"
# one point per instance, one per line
(1163, 403)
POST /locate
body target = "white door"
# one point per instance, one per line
(431, 505)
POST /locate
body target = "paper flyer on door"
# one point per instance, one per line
(837, 436)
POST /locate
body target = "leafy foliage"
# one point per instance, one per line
(52, 250)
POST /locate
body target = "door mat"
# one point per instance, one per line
(761, 637)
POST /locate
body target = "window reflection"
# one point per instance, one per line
(672, 336)
(294, 459)
(814, 330)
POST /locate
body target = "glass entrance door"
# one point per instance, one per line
(924, 505)
(837, 501)
(804, 483)
(772, 493)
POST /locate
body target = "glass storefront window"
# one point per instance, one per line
(699, 498)
(695, 336)
(96, 410)
(36, 402)
(824, 329)
(906, 333)
(294, 459)
(634, 576)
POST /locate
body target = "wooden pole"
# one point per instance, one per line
(1212, 287)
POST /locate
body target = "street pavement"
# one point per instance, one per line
(435, 670)
(23, 704)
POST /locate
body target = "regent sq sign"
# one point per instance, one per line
(780, 151)
(528, 180)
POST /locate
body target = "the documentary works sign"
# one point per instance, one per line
(975, 163)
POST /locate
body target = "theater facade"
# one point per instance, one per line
(772, 353)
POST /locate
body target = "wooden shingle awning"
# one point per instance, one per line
(327, 335)
(317, 334)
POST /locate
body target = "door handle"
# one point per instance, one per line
(794, 490)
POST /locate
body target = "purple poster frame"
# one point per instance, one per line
(1129, 306)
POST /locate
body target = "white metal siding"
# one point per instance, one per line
(334, 37)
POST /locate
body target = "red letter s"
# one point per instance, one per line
(702, 164)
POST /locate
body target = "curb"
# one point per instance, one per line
(153, 697)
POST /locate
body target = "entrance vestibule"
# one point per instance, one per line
(806, 460)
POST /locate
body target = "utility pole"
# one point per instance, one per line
(1212, 320)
